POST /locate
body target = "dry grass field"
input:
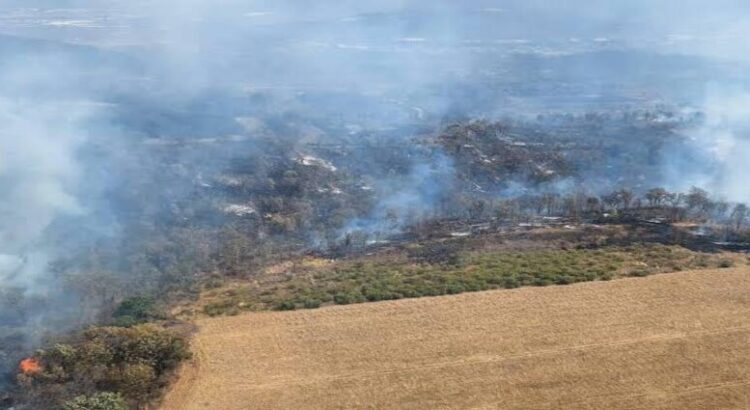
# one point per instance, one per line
(676, 341)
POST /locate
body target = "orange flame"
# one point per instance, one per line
(30, 366)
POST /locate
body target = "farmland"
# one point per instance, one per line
(666, 341)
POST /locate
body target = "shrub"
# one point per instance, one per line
(373, 296)
(525, 279)
(726, 263)
(564, 280)
(213, 282)
(220, 308)
(510, 283)
(342, 299)
(311, 303)
(126, 321)
(286, 305)
(99, 401)
(701, 261)
(378, 278)
(136, 379)
(63, 354)
(134, 310)
(588, 276)
(133, 362)
(542, 282)
(639, 273)
(454, 289)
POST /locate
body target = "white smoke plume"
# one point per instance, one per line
(718, 151)
(38, 170)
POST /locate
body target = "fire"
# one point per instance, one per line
(30, 365)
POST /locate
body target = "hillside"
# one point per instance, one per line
(666, 341)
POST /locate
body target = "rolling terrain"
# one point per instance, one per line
(666, 341)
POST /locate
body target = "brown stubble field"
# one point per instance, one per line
(671, 341)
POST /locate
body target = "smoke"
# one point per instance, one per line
(38, 173)
(714, 155)
(406, 199)
(126, 99)
(141, 70)
(44, 123)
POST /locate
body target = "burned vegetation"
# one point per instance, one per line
(296, 213)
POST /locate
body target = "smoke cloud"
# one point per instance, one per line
(714, 156)
(38, 170)
(100, 100)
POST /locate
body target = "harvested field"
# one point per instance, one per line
(675, 341)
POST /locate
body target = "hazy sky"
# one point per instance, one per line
(711, 26)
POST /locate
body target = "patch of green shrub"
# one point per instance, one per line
(220, 308)
(564, 280)
(286, 305)
(343, 299)
(639, 273)
(311, 303)
(376, 278)
(134, 310)
(132, 363)
(99, 401)
(454, 289)
(511, 283)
